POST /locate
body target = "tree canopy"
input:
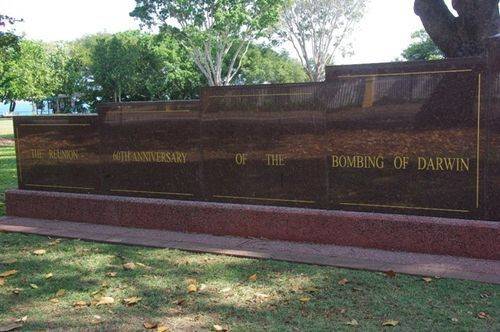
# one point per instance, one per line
(422, 48)
(318, 30)
(126, 66)
(264, 65)
(216, 33)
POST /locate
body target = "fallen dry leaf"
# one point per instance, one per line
(305, 299)
(390, 322)
(219, 328)
(311, 289)
(191, 288)
(80, 304)
(54, 300)
(343, 281)
(105, 300)
(7, 274)
(191, 281)
(482, 315)
(33, 286)
(352, 322)
(22, 319)
(55, 242)
(150, 325)
(39, 252)
(129, 266)
(132, 300)
(111, 274)
(10, 261)
(253, 277)
(161, 328)
(96, 320)
(17, 291)
(390, 274)
(48, 275)
(262, 296)
(427, 280)
(10, 326)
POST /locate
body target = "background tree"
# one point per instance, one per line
(464, 35)
(422, 48)
(217, 33)
(114, 58)
(139, 66)
(318, 29)
(166, 71)
(263, 65)
(7, 37)
(28, 75)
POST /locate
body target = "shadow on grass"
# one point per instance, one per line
(271, 302)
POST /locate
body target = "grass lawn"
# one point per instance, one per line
(6, 130)
(8, 177)
(71, 283)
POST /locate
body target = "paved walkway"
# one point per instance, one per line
(347, 257)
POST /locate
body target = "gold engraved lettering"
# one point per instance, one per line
(444, 164)
(36, 154)
(276, 160)
(357, 161)
(57, 154)
(401, 162)
(241, 159)
(168, 157)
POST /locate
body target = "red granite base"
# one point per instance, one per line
(468, 238)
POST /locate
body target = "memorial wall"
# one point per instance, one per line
(410, 138)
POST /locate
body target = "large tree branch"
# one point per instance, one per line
(439, 24)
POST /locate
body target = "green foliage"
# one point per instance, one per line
(8, 38)
(138, 66)
(215, 32)
(422, 48)
(25, 72)
(263, 65)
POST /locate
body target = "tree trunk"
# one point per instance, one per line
(465, 35)
(12, 106)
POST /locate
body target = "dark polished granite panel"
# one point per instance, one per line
(406, 141)
(493, 126)
(264, 145)
(416, 138)
(151, 149)
(58, 153)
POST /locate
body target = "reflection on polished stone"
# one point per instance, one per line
(412, 138)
